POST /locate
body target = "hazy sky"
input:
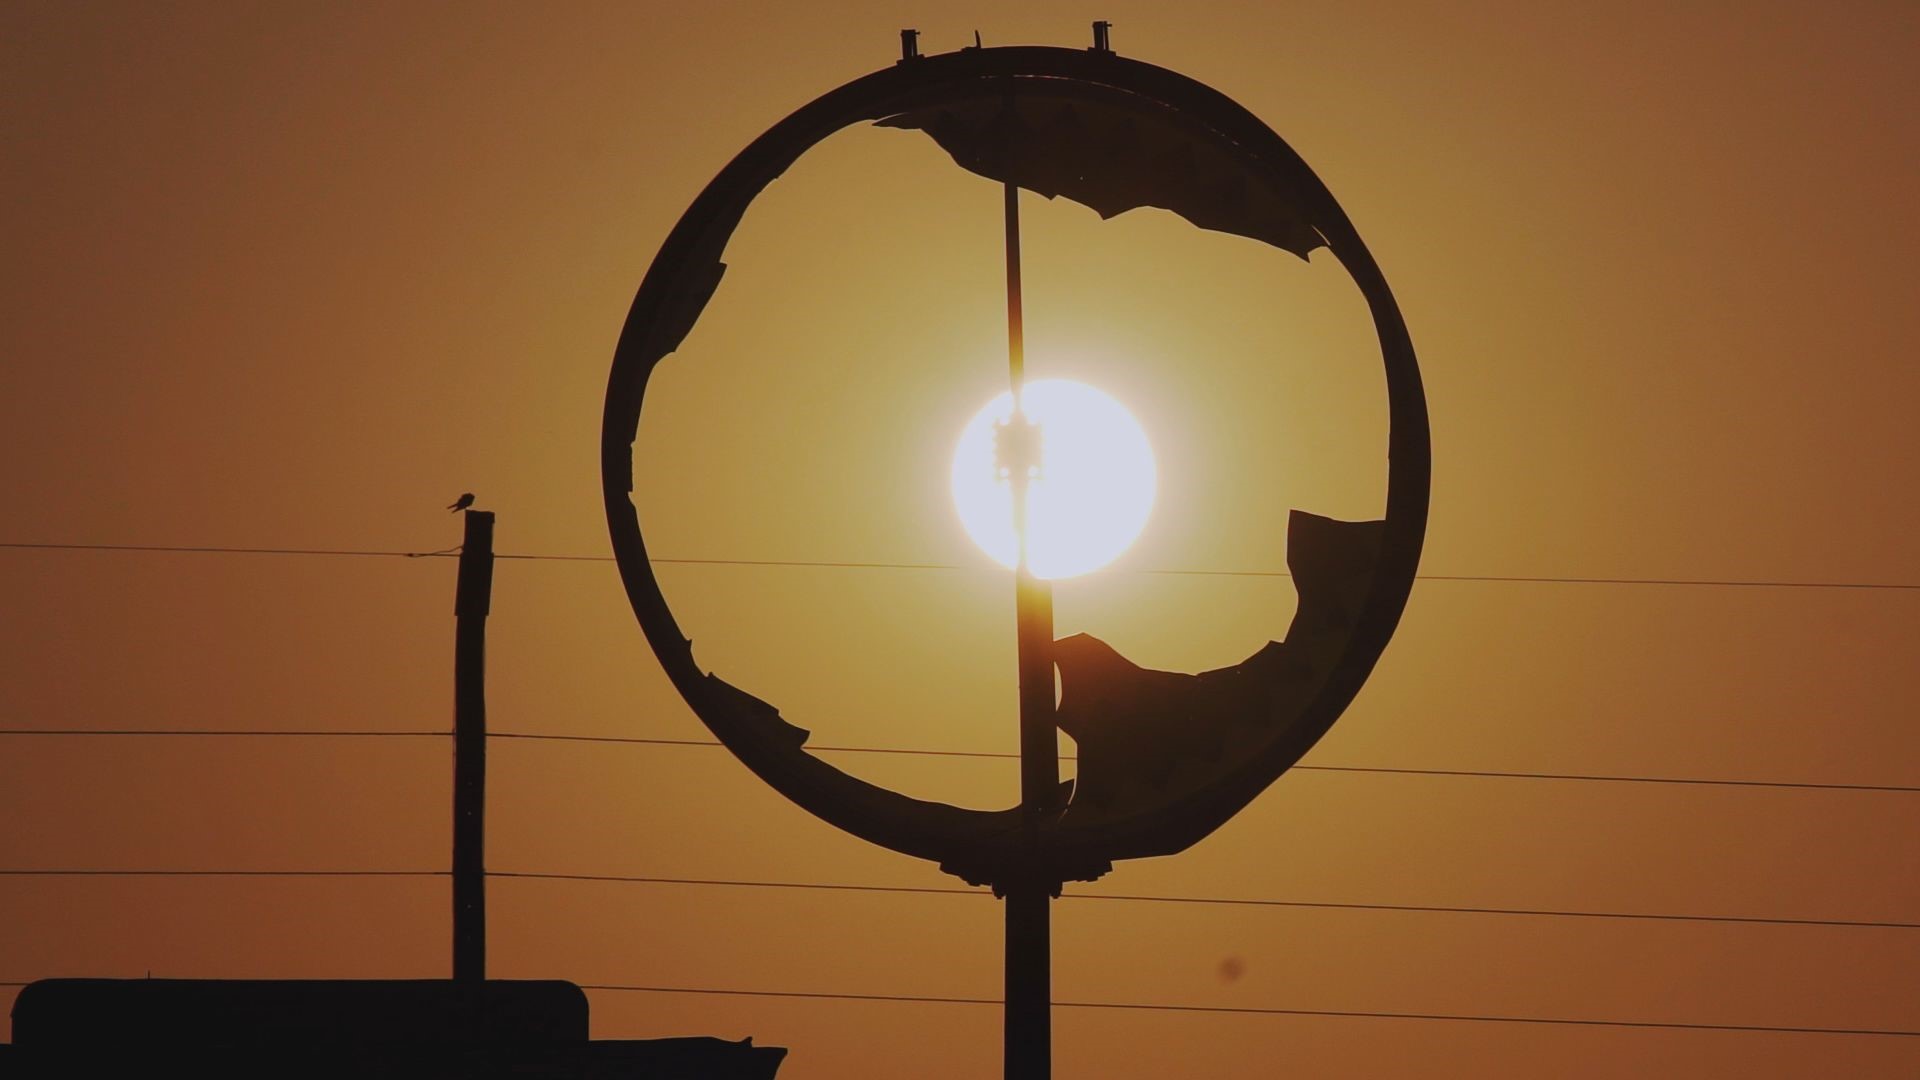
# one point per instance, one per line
(293, 276)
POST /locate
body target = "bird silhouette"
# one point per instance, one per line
(462, 502)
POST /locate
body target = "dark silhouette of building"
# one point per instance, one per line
(417, 1029)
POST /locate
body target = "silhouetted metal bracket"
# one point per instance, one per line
(1166, 757)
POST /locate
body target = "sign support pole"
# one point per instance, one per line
(1029, 990)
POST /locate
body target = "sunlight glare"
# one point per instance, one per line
(1093, 493)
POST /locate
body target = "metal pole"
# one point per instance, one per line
(472, 598)
(1016, 319)
(1029, 992)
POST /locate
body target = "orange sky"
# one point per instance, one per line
(294, 277)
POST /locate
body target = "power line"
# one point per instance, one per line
(223, 873)
(224, 732)
(1599, 778)
(1731, 583)
(1746, 583)
(928, 890)
(814, 564)
(1481, 773)
(1256, 1011)
(212, 550)
(1235, 1010)
(979, 754)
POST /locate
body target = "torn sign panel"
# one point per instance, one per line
(1147, 738)
(1113, 151)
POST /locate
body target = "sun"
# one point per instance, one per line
(1091, 493)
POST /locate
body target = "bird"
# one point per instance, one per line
(462, 502)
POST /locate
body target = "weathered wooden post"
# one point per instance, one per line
(472, 598)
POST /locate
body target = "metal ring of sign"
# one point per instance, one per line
(997, 846)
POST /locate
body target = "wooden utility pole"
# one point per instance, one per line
(1029, 993)
(472, 598)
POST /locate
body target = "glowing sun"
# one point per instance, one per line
(1089, 495)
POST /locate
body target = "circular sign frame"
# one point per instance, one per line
(997, 847)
